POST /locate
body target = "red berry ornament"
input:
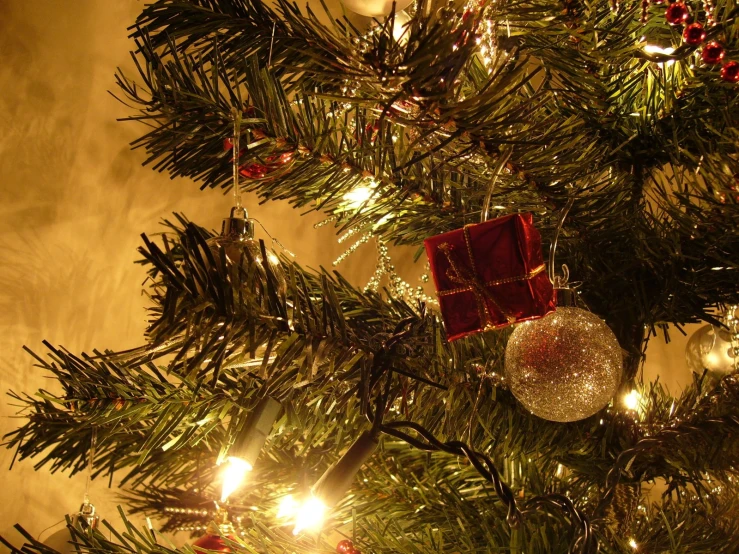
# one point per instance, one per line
(228, 144)
(260, 171)
(712, 53)
(730, 72)
(254, 171)
(694, 34)
(344, 547)
(677, 13)
(213, 543)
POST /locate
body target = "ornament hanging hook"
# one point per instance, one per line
(271, 44)
(559, 281)
(274, 240)
(90, 462)
(502, 161)
(236, 155)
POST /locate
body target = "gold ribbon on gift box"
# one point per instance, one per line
(467, 276)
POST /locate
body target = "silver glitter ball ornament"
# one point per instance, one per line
(710, 348)
(565, 366)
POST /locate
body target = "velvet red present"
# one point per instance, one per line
(490, 275)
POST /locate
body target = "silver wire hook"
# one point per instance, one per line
(491, 186)
(236, 159)
(271, 44)
(559, 281)
(274, 240)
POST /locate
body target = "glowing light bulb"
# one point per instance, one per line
(400, 27)
(632, 544)
(356, 198)
(288, 507)
(233, 476)
(310, 515)
(632, 400)
(654, 49)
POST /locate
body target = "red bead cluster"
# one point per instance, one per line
(346, 547)
(259, 170)
(694, 34)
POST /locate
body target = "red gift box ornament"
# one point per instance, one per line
(461, 275)
(490, 275)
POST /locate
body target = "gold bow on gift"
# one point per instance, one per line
(467, 276)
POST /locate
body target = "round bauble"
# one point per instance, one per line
(60, 541)
(401, 30)
(677, 13)
(208, 542)
(730, 72)
(375, 8)
(344, 546)
(712, 53)
(694, 34)
(565, 366)
(238, 244)
(710, 348)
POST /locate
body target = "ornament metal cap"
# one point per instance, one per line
(221, 524)
(237, 225)
(87, 516)
(566, 297)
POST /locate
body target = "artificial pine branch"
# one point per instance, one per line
(569, 107)
(188, 280)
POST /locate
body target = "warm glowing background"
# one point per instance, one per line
(74, 201)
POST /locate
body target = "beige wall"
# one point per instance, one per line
(73, 202)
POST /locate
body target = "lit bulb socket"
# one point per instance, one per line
(253, 435)
(337, 480)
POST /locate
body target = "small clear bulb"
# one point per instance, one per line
(632, 399)
(234, 475)
(310, 516)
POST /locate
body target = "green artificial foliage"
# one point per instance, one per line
(565, 109)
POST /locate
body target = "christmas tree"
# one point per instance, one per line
(505, 413)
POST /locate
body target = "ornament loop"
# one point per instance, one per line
(502, 161)
(237, 225)
(236, 155)
(559, 282)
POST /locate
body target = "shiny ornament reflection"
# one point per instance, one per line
(710, 348)
(211, 543)
(241, 250)
(401, 29)
(565, 366)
